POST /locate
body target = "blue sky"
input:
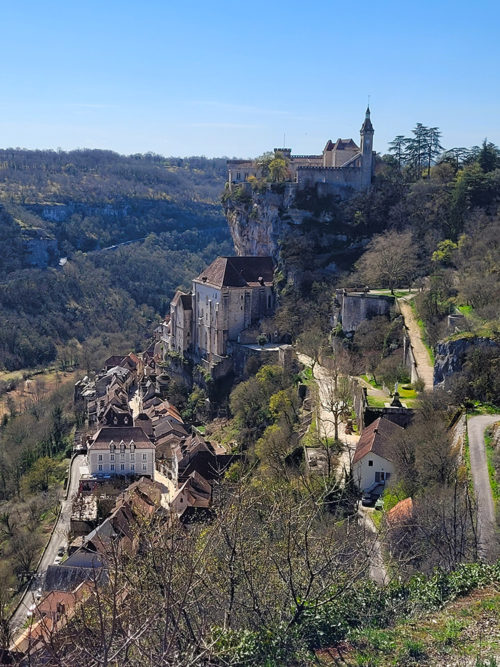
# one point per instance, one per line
(232, 78)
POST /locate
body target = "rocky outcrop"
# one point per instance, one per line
(306, 240)
(450, 356)
(61, 212)
(256, 220)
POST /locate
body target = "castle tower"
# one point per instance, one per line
(366, 133)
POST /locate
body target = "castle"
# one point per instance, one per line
(342, 165)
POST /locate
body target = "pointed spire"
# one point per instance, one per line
(367, 124)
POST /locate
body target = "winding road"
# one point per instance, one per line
(487, 533)
(58, 538)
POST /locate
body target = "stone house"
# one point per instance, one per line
(121, 451)
(372, 462)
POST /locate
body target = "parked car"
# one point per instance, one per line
(57, 560)
(60, 551)
(371, 495)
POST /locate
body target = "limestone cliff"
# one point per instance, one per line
(451, 355)
(305, 235)
(255, 220)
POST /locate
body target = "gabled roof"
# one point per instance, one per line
(114, 360)
(340, 145)
(377, 438)
(186, 300)
(197, 491)
(238, 272)
(67, 578)
(116, 434)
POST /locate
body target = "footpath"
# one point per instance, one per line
(425, 367)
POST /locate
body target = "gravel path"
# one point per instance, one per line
(425, 367)
(488, 539)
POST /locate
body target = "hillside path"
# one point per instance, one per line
(488, 540)
(425, 367)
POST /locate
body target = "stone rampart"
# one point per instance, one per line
(356, 307)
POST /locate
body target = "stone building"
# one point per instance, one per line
(181, 312)
(121, 451)
(342, 165)
(228, 297)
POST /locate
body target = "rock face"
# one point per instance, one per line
(305, 239)
(255, 221)
(451, 355)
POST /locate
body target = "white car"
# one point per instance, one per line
(57, 560)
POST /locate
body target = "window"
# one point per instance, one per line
(144, 457)
(122, 466)
(132, 467)
(100, 457)
(132, 457)
(112, 466)
(370, 463)
(122, 455)
(100, 467)
(112, 457)
(144, 467)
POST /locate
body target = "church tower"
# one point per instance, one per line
(366, 133)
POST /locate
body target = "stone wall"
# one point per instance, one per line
(356, 307)
(338, 178)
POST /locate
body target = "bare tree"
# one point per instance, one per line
(389, 261)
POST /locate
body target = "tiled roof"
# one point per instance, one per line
(377, 438)
(118, 433)
(238, 272)
(401, 512)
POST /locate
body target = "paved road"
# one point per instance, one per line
(377, 570)
(425, 367)
(59, 538)
(488, 540)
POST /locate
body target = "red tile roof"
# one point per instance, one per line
(401, 512)
(377, 438)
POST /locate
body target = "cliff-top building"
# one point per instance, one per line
(342, 164)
